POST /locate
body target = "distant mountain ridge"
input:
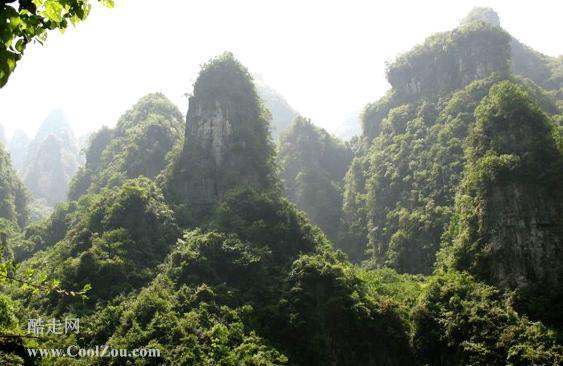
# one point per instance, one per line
(282, 112)
(18, 147)
(51, 160)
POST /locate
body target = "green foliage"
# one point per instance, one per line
(13, 196)
(187, 325)
(463, 322)
(142, 144)
(268, 221)
(254, 283)
(399, 191)
(116, 245)
(331, 320)
(449, 61)
(402, 190)
(29, 20)
(219, 260)
(12, 351)
(543, 70)
(509, 122)
(414, 166)
(509, 208)
(227, 142)
(313, 164)
(387, 285)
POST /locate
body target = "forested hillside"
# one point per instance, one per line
(313, 164)
(432, 239)
(545, 71)
(142, 144)
(401, 188)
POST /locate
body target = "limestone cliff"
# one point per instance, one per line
(508, 220)
(227, 142)
(545, 71)
(451, 60)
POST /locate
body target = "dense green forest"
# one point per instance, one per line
(434, 238)
(313, 164)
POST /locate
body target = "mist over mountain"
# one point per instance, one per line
(313, 164)
(143, 143)
(545, 71)
(282, 112)
(432, 238)
(18, 148)
(351, 127)
(51, 160)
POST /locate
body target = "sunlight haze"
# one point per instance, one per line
(327, 58)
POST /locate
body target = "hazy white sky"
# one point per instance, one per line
(326, 57)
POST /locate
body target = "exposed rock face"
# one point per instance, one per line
(227, 141)
(525, 244)
(507, 226)
(48, 176)
(479, 14)
(451, 60)
(413, 156)
(543, 70)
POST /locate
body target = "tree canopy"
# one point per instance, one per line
(26, 21)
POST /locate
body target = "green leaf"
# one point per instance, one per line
(108, 3)
(54, 11)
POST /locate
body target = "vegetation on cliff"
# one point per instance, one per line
(449, 205)
(142, 144)
(313, 164)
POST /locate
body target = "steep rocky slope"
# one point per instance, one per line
(227, 140)
(507, 225)
(400, 190)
